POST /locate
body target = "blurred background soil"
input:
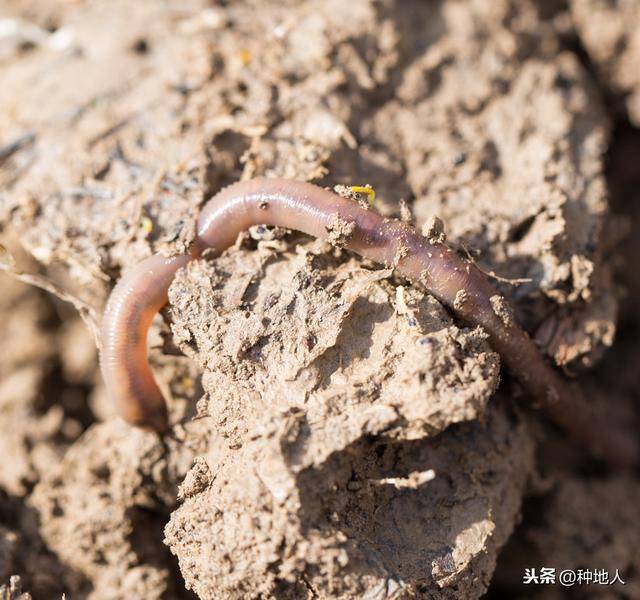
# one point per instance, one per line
(336, 433)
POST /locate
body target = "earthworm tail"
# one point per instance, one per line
(457, 283)
(133, 303)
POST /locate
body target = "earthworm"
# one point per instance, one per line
(429, 262)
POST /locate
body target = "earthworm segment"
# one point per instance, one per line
(425, 261)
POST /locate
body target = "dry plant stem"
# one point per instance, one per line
(304, 207)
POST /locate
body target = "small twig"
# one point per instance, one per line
(511, 281)
(11, 148)
(87, 313)
(493, 274)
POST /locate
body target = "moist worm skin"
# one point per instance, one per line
(133, 303)
(305, 207)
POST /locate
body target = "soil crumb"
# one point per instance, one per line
(339, 231)
(433, 230)
(502, 309)
(13, 590)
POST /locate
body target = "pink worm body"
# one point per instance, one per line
(142, 292)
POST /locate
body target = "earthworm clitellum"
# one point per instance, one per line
(453, 280)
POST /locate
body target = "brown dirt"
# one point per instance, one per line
(347, 441)
(610, 32)
(578, 524)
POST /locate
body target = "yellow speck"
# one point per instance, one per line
(245, 57)
(367, 190)
(147, 225)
